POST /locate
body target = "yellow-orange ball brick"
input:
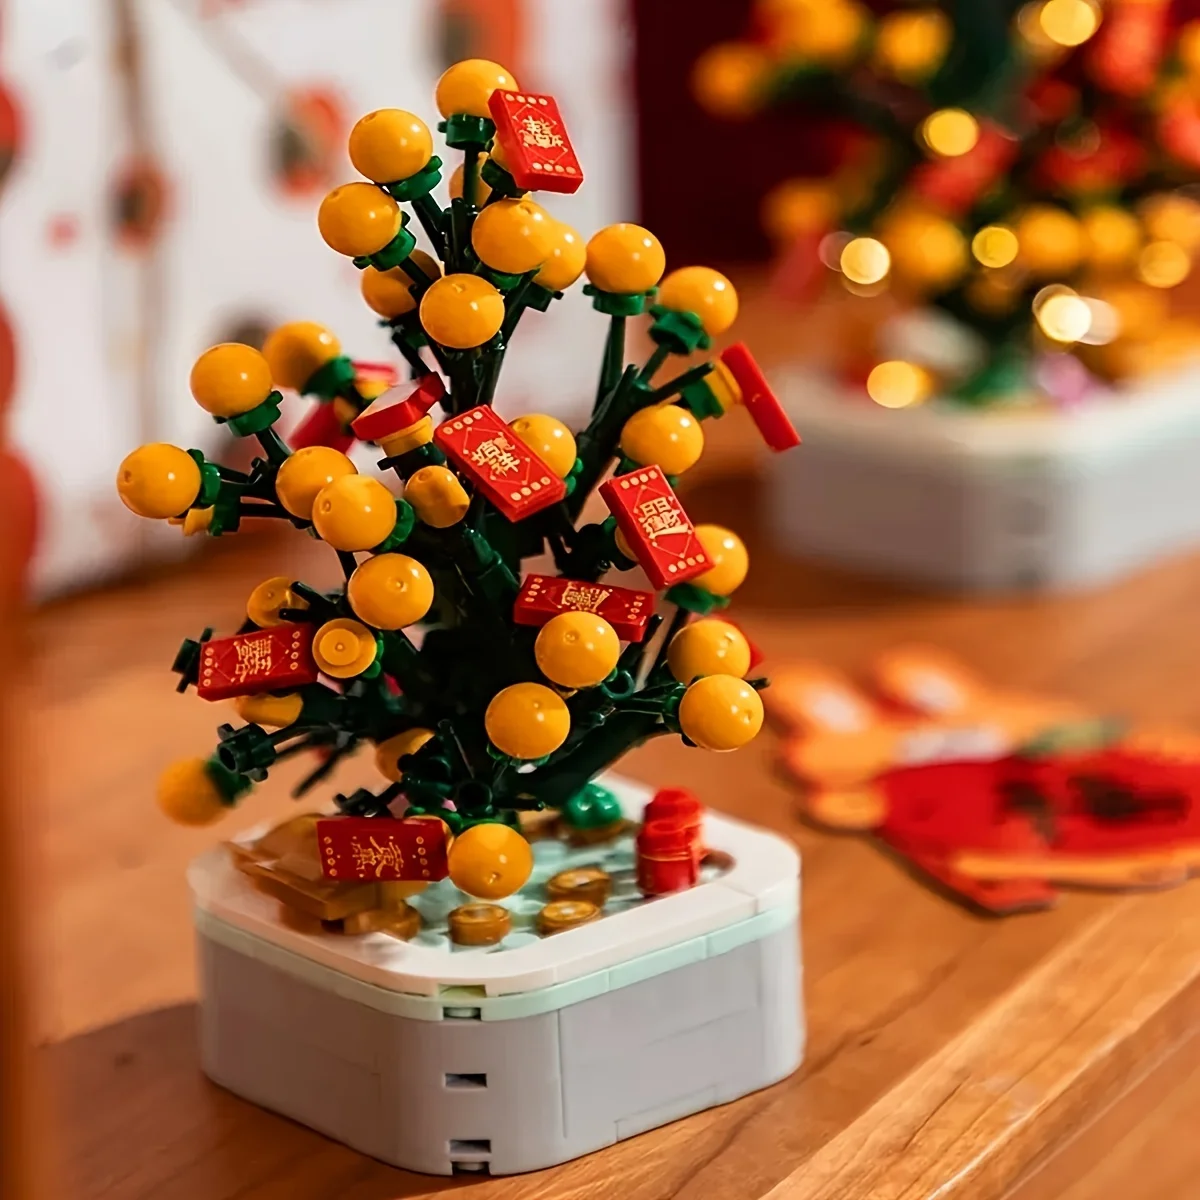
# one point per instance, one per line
(1170, 217)
(728, 79)
(263, 605)
(188, 795)
(390, 144)
(665, 435)
(466, 87)
(388, 293)
(1113, 237)
(390, 591)
(911, 45)
(389, 752)
(513, 236)
(437, 496)
(343, 648)
(625, 259)
(490, 861)
(230, 379)
(708, 647)
(158, 481)
(297, 350)
(825, 31)
(565, 262)
(462, 311)
(358, 219)
(703, 291)
(271, 712)
(927, 252)
(549, 439)
(1141, 310)
(577, 649)
(194, 521)
(1051, 241)
(720, 712)
(527, 720)
(355, 512)
(482, 189)
(798, 206)
(302, 476)
(730, 561)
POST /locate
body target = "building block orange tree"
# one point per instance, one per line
(484, 690)
(1019, 165)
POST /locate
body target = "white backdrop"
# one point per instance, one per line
(106, 335)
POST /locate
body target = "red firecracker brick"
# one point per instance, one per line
(679, 806)
(659, 532)
(666, 861)
(537, 151)
(497, 462)
(382, 848)
(267, 660)
(761, 403)
(545, 596)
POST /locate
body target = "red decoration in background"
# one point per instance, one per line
(994, 812)
(382, 848)
(1112, 158)
(139, 203)
(321, 427)
(800, 274)
(11, 132)
(653, 522)
(954, 184)
(1179, 130)
(1126, 52)
(537, 151)
(504, 469)
(307, 140)
(8, 361)
(266, 660)
(19, 503)
(544, 596)
(62, 230)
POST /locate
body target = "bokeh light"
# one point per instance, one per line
(995, 245)
(1062, 314)
(1069, 22)
(950, 132)
(865, 260)
(1163, 264)
(899, 384)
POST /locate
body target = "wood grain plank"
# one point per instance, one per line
(1141, 1148)
(1044, 1060)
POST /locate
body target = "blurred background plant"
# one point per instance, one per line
(1021, 175)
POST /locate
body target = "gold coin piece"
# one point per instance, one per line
(565, 914)
(581, 883)
(479, 924)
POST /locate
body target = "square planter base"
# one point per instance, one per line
(993, 500)
(495, 1061)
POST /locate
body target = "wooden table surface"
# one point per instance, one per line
(948, 1053)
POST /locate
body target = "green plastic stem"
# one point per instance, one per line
(614, 357)
(656, 360)
(433, 221)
